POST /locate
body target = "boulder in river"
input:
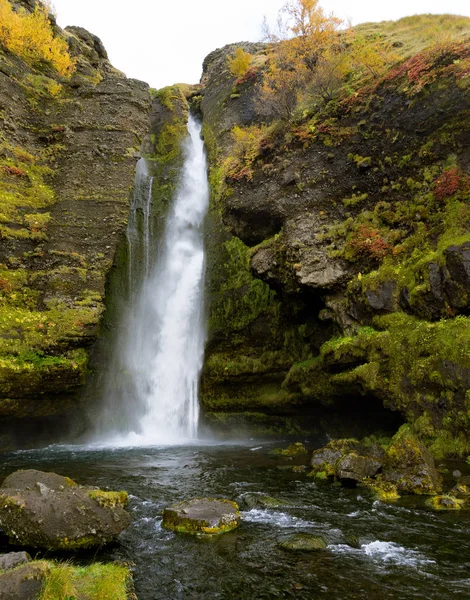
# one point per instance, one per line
(296, 449)
(303, 542)
(445, 502)
(202, 516)
(257, 500)
(410, 466)
(46, 510)
(346, 459)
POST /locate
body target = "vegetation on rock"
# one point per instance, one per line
(357, 192)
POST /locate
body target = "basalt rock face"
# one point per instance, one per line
(67, 162)
(253, 336)
(355, 215)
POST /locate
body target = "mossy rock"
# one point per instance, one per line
(304, 542)
(252, 500)
(445, 502)
(346, 459)
(461, 491)
(202, 516)
(46, 510)
(410, 466)
(296, 449)
(382, 490)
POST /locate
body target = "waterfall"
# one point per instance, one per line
(151, 392)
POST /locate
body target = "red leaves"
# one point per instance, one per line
(367, 241)
(15, 171)
(450, 182)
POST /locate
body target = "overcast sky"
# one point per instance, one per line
(165, 41)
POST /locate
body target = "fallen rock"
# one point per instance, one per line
(46, 510)
(252, 500)
(304, 542)
(24, 583)
(208, 516)
(410, 466)
(13, 559)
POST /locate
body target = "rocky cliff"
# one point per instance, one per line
(67, 162)
(352, 223)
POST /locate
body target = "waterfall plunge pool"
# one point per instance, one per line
(375, 551)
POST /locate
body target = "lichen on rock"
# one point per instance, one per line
(202, 516)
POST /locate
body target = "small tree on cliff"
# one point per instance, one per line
(304, 34)
(239, 63)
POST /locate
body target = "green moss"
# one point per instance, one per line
(296, 449)
(110, 499)
(384, 491)
(445, 502)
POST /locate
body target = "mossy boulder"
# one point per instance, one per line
(202, 516)
(294, 450)
(304, 542)
(252, 500)
(445, 502)
(347, 460)
(46, 510)
(410, 466)
(461, 491)
(381, 490)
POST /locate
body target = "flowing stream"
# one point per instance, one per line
(151, 392)
(376, 551)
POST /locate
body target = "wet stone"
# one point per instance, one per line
(202, 516)
(303, 542)
(255, 500)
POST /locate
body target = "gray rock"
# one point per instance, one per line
(202, 516)
(13, 559)
(22, 584)
(46, 510)
(355, 468)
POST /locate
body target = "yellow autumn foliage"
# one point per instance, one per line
(239, 63)
(30, 36)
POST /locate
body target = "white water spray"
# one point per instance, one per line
(152, 395)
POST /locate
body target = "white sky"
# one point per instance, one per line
(165, 41)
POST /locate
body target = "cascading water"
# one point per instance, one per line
(152, 389)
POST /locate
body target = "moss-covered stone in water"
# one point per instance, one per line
(255, 500)
(296, 449)
(446, 502)
(382, 490)
(410, 466)
(304, 542)
(202, 516)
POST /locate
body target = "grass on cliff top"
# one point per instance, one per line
(95, 582)
(411, 34)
